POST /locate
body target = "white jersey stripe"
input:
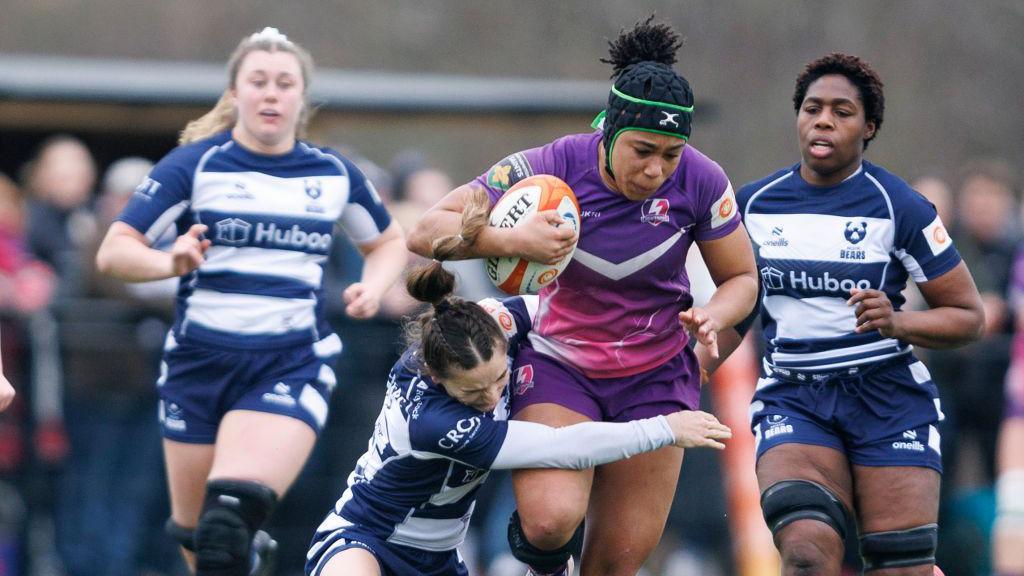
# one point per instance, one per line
(247, 314)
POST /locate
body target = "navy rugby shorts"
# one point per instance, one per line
(394, 559)
(881, 415)
(199, 384)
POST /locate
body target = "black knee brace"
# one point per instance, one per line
(186, 537)
(546, 560)
(791, 500)
(232, 513)
(899, 548)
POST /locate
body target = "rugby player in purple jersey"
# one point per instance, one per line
(609, 342)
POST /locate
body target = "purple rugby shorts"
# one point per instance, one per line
(672, 386)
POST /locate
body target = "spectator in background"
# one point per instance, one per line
(937, 191)
(986, 233)
(110, 501)
(26, 284)
(60, 180)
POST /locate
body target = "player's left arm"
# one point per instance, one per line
(954, 317)
(384, 258)
(730, 260)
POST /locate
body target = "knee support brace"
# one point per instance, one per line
(232, 513)
(899, 548)
(546, 560)
(186, 537)
(791, 500)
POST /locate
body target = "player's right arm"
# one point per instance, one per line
(125, 254)
(537, 239)
(161, 200)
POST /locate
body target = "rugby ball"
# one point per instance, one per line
(514, 275)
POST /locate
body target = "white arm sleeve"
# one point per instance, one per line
(580, 446)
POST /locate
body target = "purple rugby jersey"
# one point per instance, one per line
(613, 311)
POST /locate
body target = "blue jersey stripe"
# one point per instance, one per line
(869, 231)
(257, 284)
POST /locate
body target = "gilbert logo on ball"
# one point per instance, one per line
(529, 196)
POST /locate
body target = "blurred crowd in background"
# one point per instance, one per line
(81, 474)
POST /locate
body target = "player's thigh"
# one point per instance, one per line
(895, 497)
(267, 448)
(819, 464)
(629, 505)
(551, 500)
(353, 561)
(188, 466)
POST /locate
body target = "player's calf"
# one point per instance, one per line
(899, 548)
(232, 514)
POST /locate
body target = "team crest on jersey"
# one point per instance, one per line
(314, 188)
(506, 173)
(855, 231)
(524, 379)
(233, 232)
(654, 211)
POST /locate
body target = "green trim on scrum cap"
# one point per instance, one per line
(598, 119)
(636, 100)
(608, 152)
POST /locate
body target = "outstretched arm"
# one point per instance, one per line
(730, 261)
(589, 444)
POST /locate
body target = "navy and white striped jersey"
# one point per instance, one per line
(271, 221)
(416, 484)
(813, 245)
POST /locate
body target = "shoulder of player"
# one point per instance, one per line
(332, 160)
(895, 188)
(189, 155)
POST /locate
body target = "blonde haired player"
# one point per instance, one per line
(248, 364)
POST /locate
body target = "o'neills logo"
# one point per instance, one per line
(654, 211)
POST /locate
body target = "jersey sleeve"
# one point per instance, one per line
(164, 195)
(448, 429)
(717, 210)
(515, 316)
(922, 243)
(364, 217)
(580, 446)
(548, 159)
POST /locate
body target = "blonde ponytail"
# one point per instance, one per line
(220, 118)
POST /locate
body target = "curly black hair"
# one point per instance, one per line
(857, 71)
(646, 41)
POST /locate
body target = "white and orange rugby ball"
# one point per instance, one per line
(530, 195)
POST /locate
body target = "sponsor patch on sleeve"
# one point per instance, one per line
(724, 209)
(501, 314)
(506, 173)
(937, 236)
